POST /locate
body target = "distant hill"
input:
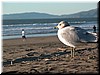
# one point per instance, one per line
(31, 15)
(83, 14)
(36, 15)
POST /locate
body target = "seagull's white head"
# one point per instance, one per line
(62, 24)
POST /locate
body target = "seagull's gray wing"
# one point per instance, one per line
(84, 36)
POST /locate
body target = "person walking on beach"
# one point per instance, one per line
(23, 35)
(94, 29)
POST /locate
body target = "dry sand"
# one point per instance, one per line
(39, 55)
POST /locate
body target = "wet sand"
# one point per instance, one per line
(39, 55)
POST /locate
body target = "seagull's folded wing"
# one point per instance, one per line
(69, 35)
(84, 36)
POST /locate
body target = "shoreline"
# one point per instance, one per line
(28, 36)
(29, 40)
(38, 55)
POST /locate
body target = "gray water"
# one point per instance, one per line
(38, 29)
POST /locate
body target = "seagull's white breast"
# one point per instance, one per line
(66, 37)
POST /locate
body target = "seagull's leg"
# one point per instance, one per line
(72, 52)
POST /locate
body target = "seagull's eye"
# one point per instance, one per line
(60, 24)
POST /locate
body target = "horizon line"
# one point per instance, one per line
(45, 13)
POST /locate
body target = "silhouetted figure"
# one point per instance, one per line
(94, 29)
(23, 35)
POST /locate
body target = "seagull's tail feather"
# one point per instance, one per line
(90, 37)
(95, 37)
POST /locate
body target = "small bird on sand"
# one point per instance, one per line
(72, 36)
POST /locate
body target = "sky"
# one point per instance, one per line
(55, 8)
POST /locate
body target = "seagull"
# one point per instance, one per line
(72, 36)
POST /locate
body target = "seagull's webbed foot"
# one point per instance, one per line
(62, 49)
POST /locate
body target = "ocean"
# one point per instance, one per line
(42, 27)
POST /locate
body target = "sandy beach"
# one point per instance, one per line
(39, 55)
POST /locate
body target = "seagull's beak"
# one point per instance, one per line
(55, 27)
